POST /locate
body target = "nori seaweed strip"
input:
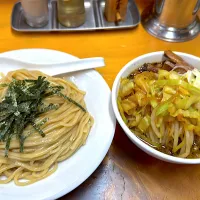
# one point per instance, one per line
(23, 104)
(37, 128)
(4, 85)
(48, 108)
(70, 100)
(8, 144)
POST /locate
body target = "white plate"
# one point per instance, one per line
(72, 172)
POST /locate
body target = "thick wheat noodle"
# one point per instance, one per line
(65, 132)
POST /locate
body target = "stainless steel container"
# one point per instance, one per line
(172, 20)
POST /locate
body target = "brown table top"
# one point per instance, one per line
(126, 172)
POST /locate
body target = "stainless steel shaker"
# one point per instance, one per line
(172, 20)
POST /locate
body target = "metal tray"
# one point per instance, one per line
(95, 19)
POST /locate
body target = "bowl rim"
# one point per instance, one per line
(143, 146)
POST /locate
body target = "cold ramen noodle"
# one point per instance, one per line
(160, 103)
(43, 121)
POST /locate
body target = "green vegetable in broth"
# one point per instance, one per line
(160, 103)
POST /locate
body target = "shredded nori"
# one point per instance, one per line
(23, 104)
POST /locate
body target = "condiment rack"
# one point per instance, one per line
(95, 19)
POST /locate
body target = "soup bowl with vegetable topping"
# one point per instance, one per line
(156, 100)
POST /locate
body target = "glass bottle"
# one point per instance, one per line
(71, 13)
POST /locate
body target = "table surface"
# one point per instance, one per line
(126, 172)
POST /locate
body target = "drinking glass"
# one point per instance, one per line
(35, 12)
(71, 13)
